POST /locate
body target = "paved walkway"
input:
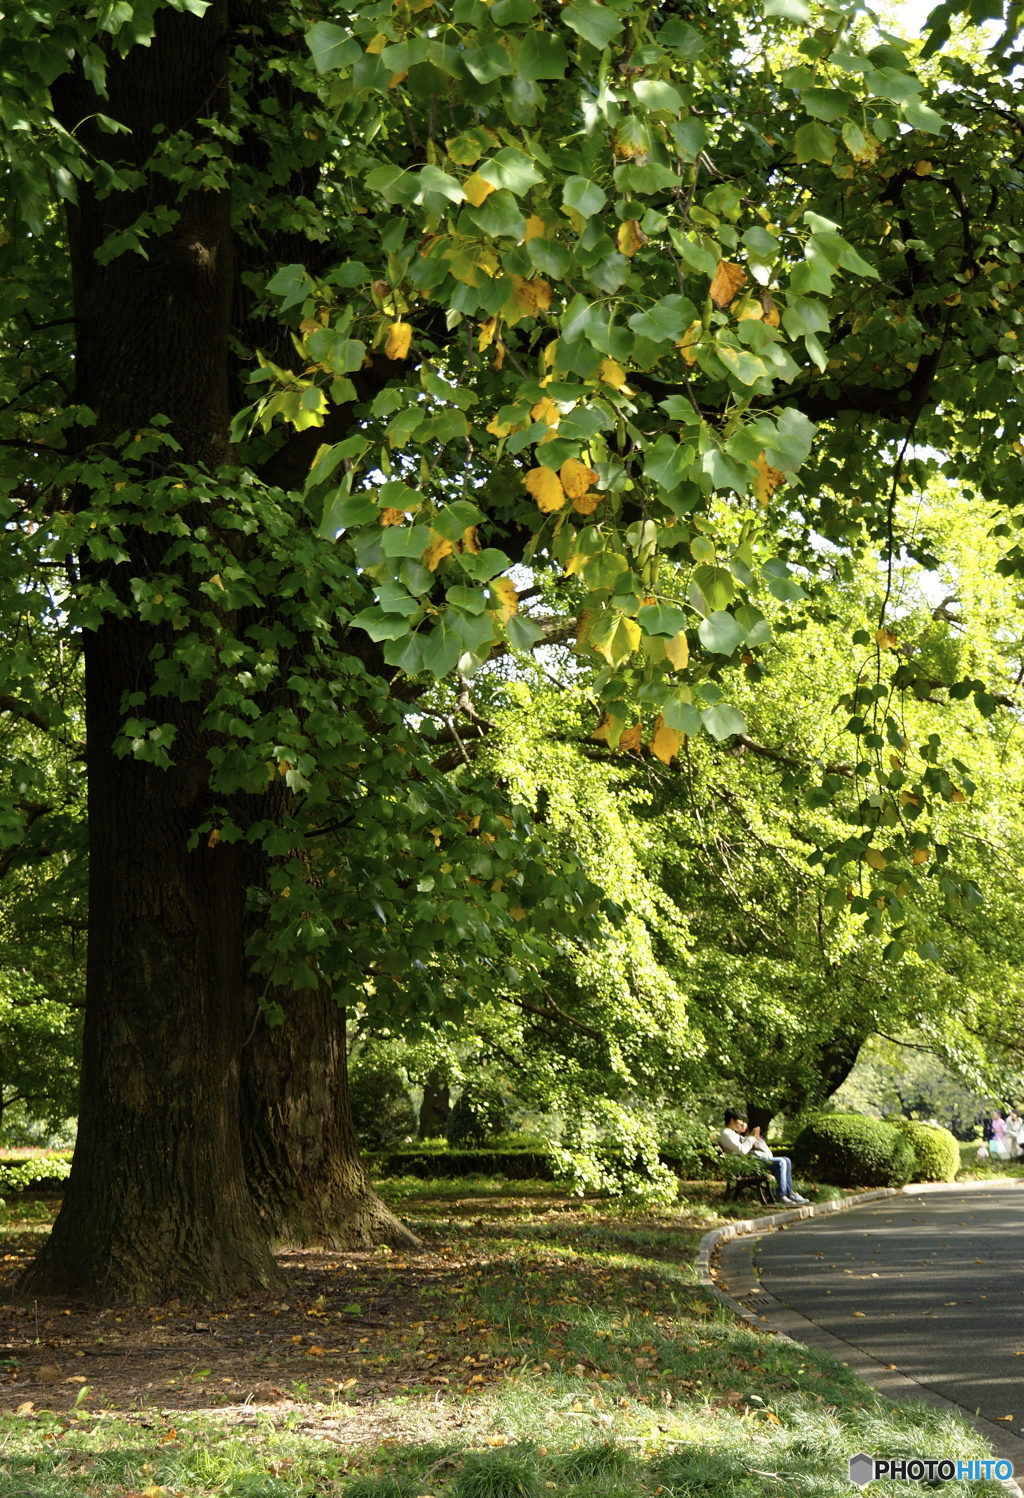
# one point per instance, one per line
(932, 1283)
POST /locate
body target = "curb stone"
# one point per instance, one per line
(806, 1332)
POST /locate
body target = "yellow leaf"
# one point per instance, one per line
(530, 296)
(578, 558)
(606, 729)
(666, 742)
(750, 310)
(630, 237)
(885, 639)
(399, 338)
(214, 838)
(505, 589)
(771, 313)
(678, 650)
(392, 517)
(477, 188)
(546, 488)
(536, 228)
(612, 374)
(499, 355)
(517, 912)
(377, 45)
(576, 478)
(728, 279)
(690, 340)
(632, 738)
(875, 858)
(618, 644)
(921, 855)
(766, 479)
(485, 334)
(498, 428)
(469, 542)
(923, 168)
(545, 410)
(397, 78)
(435, 553)
(586, 504)
(957, 795)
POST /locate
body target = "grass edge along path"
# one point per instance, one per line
(622, 1377)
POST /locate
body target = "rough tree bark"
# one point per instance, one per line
(157, 1202)
(301, 1152)
(173, 1188)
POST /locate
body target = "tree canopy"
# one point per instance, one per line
(347, 351)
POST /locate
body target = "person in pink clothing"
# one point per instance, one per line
(998, 1145)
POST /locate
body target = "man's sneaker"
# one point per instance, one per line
(799, 1201)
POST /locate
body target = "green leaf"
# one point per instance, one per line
(381, 626)
(814, 143)
(826, 103)
(745, 366)
(584, 196)
(405, 540)
(681, 715)
(455, 519)
(331, 46)
(654, 93)
(487, 63)
(343, 511)
(922, 117)
(662, 619)
(717, 585)
(510, 169)
(722, 721)
(667, 461)
(691, 138)
(666, 321)
(596, 24)
(522, 633)
(721, 633)
(542, 55)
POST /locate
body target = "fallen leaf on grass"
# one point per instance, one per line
(858, 1313)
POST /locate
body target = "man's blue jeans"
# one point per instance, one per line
(782, 1170)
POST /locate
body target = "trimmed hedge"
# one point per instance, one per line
(847, 1149)
(446, 1164)
(935, 1150)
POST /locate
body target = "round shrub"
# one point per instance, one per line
(847, 1149)
(381, 1109)
(479, 1116)
(935, 1150)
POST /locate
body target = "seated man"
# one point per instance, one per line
(733, 1142)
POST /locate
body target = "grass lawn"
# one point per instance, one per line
(973, 1169)
(537, 1347)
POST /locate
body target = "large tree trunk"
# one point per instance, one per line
(301, 1151)
(157, 1202)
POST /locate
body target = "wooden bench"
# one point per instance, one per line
(754, 1181)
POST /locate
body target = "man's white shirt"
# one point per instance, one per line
(744, 1144)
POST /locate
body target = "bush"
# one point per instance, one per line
(381, 1109)
(935, 1150)
(479, 1116)
(847, 1149)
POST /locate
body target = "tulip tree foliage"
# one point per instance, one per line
(330, 334)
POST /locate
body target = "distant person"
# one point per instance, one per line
(1014, 1130)
(982, 1152)
(998, 1146)
(735, 1140)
